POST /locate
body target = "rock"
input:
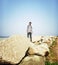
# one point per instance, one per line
(41, 49)
(33, 60)
(13, 49)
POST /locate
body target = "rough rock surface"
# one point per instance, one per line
(33, 60)
(13, 49)
(38, 49)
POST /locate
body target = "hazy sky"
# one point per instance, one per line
(16, 14)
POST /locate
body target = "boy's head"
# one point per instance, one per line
(29, 23)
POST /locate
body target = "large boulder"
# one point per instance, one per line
(41, 49)
(13, 49)
(33, 60)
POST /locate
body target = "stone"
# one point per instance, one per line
(33, 60)
(41, 49)
(13, 49)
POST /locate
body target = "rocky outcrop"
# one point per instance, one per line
(14, 50)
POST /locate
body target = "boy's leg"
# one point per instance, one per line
(28, 35)
(31, 37)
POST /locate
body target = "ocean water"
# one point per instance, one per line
(3, 37)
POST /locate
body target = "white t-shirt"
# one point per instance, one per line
(29, 28)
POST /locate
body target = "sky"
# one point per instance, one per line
(16, 14)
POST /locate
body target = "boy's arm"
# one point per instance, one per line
(27, 28)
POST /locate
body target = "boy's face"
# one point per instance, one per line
(29, 23)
